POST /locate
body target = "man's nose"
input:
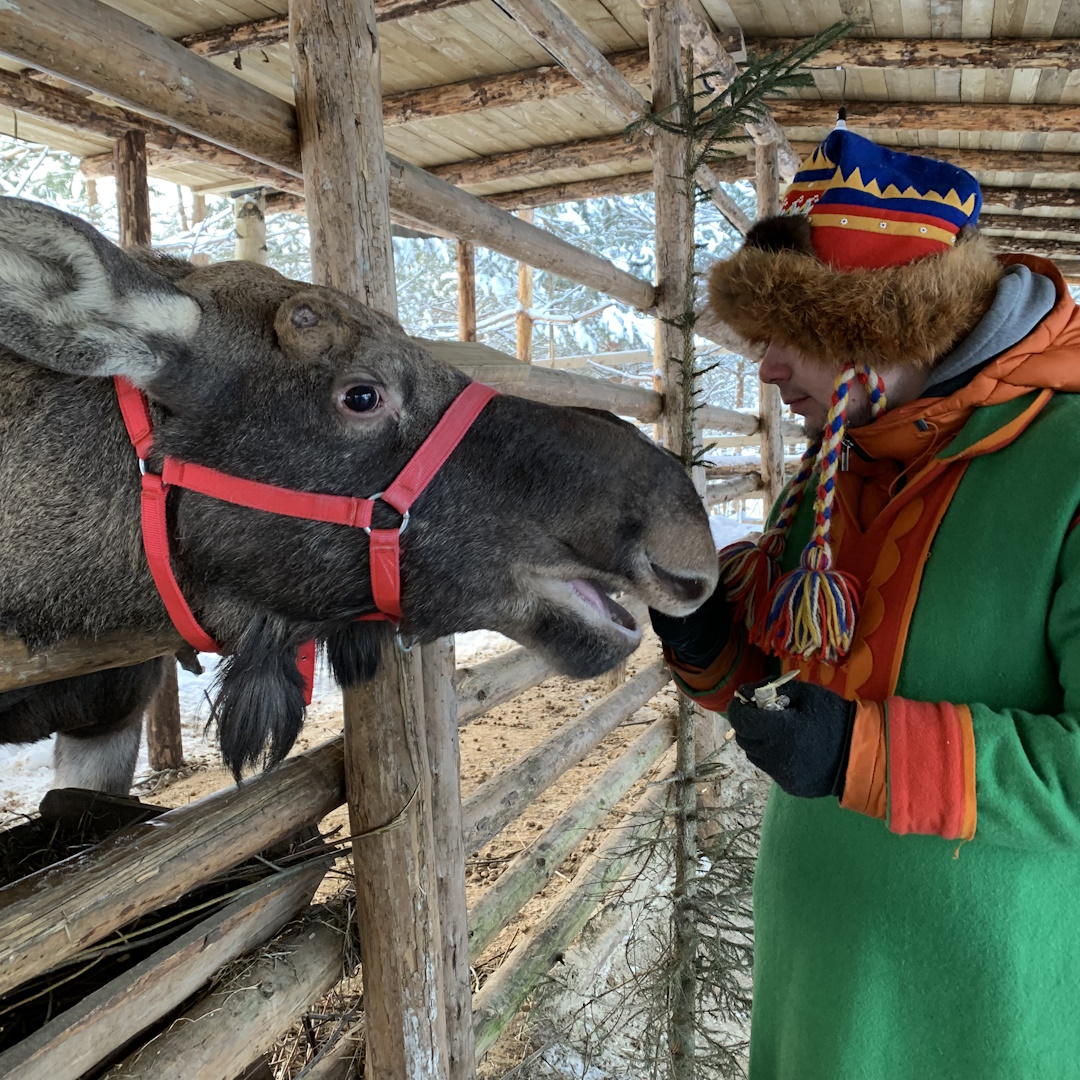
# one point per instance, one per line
(772, 368)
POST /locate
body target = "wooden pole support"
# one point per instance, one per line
(336, 72)
(164, 740)
(249, 212)
(444, 762)
(524, 322)
(466, 290)
(132, 191)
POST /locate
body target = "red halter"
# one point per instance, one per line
(384, 551)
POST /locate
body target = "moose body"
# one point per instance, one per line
(536, 516)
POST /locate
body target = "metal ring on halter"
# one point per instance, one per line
(404, 517)
(142, 466)
(400, 639)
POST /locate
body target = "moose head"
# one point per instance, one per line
(539, 514)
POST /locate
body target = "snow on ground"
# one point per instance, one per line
(26, 769)
(726, 530)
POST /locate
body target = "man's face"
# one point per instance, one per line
(807, 387)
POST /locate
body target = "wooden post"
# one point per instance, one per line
(466, 290)
(132, 193)
(250, 214)
(198, 208)
(524, 322)
(336, 73)
(767, 177)
(444, 762)
(163, 737)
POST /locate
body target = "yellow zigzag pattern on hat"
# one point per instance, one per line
(871, 187)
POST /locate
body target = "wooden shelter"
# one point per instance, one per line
(445, 115)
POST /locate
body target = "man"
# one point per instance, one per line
(917, 896)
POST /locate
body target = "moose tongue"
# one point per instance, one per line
(603, 603)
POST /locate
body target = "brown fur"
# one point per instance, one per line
(897, 316)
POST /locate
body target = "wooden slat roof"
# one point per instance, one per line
(940, 104)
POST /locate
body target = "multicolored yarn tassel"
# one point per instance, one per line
(811, 611)
(749, 570)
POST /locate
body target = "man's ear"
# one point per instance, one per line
(73, 301)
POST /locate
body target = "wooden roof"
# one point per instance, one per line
(472, 95)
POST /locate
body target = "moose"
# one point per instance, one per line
(535, 517)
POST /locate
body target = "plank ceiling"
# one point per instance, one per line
(478, 39)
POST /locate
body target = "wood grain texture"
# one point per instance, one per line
(164, 740)
(75, 1041)
(49, 916)
(100, 48)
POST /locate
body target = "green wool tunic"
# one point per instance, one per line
(886, 957)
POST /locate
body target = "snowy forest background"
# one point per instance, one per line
(571, 320)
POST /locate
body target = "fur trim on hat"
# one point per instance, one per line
(775, 289)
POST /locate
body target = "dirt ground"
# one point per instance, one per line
(489, 744)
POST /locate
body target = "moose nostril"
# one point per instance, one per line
(684, 588)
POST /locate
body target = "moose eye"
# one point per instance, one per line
(361, 398)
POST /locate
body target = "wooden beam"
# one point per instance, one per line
(335, 51)
(998, 54)
(928, 115)
(274, 30)
(579, 154)
(710, 55)
(466, 290)
(1028, 198)
(499, 91)
(553, 29)
(76, 1040)
(1029, 223)
(49, 916)
(428, 198)
(1025, 245)
(99, 48)
(498, 801)
(602, 187)
(980, 161)
(413, 192)
(132, 191)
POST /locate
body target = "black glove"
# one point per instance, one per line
(804, 747)
(697, 638)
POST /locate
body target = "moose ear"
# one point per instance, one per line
(72, 301)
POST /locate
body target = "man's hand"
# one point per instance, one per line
(804, 747)
(697, 638)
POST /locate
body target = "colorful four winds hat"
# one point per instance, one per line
(873, 262)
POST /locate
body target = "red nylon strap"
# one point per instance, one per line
(336, 509)
(438, 446)
(156, 543)
(136, 414)
(384, 556)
